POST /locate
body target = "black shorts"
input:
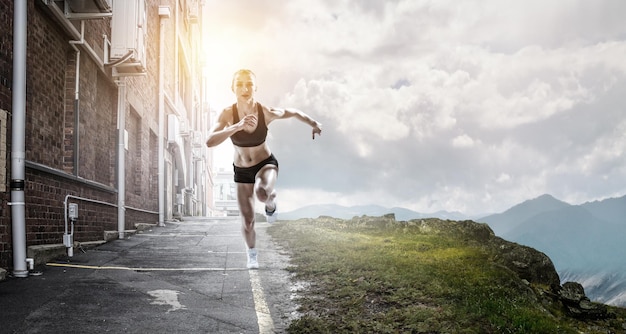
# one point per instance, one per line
(248, 174)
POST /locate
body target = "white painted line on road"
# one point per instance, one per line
(195, 235)
(266, 324)
(227, 252)
(80, 266)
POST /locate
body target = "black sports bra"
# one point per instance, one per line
(257, 137)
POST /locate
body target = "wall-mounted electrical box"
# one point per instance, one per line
(128, 35)
(72, 211)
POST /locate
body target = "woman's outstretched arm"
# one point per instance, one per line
(280, 113)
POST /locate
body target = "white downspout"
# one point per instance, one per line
(121, 157)
(76, 97)
(164, 14)
(77, 113)
(18, 140)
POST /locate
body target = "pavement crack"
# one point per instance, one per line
(224, 274)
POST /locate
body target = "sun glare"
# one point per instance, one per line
(223, 56)
(228, 46)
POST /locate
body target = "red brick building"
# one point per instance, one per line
(90, 66)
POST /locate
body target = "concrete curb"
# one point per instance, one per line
(41, 254)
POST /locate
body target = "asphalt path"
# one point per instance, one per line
(185, 277)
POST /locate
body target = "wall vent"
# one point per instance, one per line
(90, 6)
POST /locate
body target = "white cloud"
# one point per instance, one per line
(503, 178)
(607, 156)
(366, 113)
(446, 105)
(462, 141)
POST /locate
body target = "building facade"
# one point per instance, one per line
(115, 119)
(225, 193)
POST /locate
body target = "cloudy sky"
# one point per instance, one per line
(470, 106)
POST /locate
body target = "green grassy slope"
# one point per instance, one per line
(376, 275)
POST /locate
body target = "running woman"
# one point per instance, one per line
(256, 169)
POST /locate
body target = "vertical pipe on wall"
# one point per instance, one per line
(121, 156)
(76, 97)
(18, 133)
(164, 14)
(76, 112)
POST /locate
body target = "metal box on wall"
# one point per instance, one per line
(128, 32)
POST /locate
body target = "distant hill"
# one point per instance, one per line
(572, 237)
(501, 223)
(584, 241)
(612, 210)
(344, 212)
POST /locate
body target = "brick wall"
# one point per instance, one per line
(98, 130)
(51, 131)
(6, 66)
(142, 118)
(46, 194)
(47, 54)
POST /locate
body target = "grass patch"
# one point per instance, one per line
(381, 279)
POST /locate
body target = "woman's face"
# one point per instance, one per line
(244, 86)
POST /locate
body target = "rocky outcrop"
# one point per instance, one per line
(528, 263)
(572, 295)
(533, 267)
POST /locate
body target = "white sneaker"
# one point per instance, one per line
(253, 263)
(271, 215)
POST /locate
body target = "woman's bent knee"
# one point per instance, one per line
(262, 193)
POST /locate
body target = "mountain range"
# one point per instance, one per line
(343, 212)
(573, 236)
(586, 242)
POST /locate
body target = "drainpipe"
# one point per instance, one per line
(77, 114)
(164, 14)
(121, 156)
(76, 96)
(18, 138)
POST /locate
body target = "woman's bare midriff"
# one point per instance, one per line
(250, 156)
